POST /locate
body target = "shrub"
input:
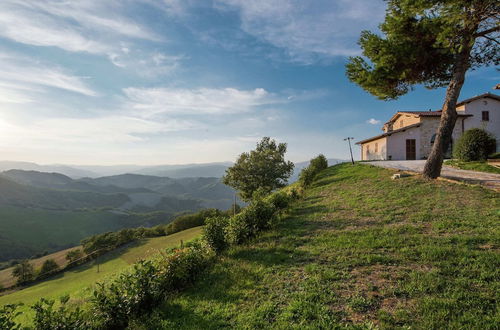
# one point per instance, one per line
(24, 272)
(49, 266)
(47, 317)
(214, 233)
(8, 314)
(187, 221)
(475, 144)
(259, 215)
(308, 174)
(74, 255)
(280, 200)
(496, 155)
(135, 292)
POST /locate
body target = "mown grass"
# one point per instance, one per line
(78, 281)
(7, 280)
(473, 166)
(360, 250)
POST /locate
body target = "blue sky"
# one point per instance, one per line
(188, 81)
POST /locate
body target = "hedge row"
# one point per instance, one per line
(134, 293)
(221, 232)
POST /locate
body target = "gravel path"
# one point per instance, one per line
(489, 180)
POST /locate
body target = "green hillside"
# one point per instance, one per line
(360, 250)
(27, 231)
(77, 281)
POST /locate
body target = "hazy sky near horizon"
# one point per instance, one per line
(188, 81)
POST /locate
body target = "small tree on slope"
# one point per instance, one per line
(263, 169)
(430, 42)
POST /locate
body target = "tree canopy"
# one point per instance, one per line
(431, 43)
(24, 271)
(421, 42)
(264, 169)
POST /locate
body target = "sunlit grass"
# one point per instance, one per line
(359, 250)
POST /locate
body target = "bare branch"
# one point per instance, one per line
(491, 39)
(488, 31)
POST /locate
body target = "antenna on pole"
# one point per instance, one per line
(348, 139)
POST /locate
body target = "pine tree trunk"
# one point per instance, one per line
(432, 168)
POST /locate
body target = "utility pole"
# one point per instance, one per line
(348, 139)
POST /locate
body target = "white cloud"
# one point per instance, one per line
(21, 76)
(98, 130)
(152, 101)
(373, 121)
(86, 26)
(308, 29)
(90, 26)
(144, 63)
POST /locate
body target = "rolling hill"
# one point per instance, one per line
(77, 281)
(25, 232)
(49, 211)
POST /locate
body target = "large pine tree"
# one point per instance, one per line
(429, 42)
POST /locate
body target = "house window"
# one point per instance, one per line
(433, 139)
(486, 115)
(376, 147)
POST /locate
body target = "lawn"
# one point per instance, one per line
(360, 250)
(473, 166)
(78, 281)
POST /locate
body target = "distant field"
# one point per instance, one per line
(7, 280)
(78, 281)
(25, 232)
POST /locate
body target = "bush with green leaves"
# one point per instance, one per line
(63, 317)
(257, 216)
(24, 272)
(316, 165)
(280, 200)
(135, 292)
(474, 145)
(49, 266)
(8, 314)
(495, 155)
(73, 256)
(214, 233)
(192, 220)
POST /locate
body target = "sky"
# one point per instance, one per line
(150, 82)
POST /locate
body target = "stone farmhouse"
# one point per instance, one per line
(409, 135)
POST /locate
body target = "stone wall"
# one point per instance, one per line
(428, 128)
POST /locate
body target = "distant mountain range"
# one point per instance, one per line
(50, 207)
(42, 211)
(128, 192)
(205, 170)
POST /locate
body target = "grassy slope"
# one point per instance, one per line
(360, 249)
(7, 280)
(77, 281)
(473, 166)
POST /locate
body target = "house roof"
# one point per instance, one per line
(437, 113)
(422, 114)
(389, 133)
(485, 95)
